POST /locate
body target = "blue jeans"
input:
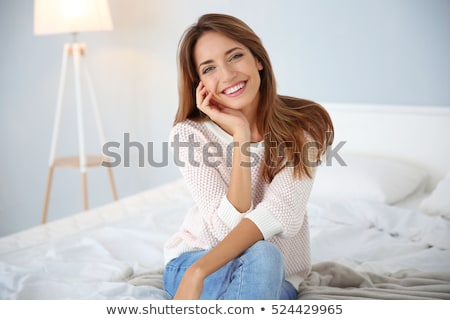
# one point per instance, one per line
(257, 274)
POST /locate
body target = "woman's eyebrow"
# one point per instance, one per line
(231, 50)
(225, 54)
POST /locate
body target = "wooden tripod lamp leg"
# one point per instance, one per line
(84, 190)
(47, 194)
(113, 184)
(55, 134)
(101, 132)
(78, 51)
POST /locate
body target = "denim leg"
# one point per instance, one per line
(256, 274)
(214, 286)
(288, 292)
(175, 269)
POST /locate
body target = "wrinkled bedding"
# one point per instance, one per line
(115, 251)
(329, 280)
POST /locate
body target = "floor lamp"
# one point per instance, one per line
(72, 17)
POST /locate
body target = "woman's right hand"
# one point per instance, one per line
(191, 285)
(231, 120)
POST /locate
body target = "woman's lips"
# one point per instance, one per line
(235, 89)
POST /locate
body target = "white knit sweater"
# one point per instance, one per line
(203, 152)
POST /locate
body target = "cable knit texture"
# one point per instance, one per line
(203, 152)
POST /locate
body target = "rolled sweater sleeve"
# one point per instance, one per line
(283, 208)
(228, 213)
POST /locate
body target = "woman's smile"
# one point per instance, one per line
(235, 90)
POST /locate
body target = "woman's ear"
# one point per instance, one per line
(259, 65)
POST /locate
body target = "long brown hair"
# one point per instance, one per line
(290, 124)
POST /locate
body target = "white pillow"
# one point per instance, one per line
(368, 178)
(438, 202)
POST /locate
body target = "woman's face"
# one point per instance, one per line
(229, 70)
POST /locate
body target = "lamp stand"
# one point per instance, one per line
(82, 161)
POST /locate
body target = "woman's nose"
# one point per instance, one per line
(227, 74)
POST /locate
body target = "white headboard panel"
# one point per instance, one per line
(416, 134)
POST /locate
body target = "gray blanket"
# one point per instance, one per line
(329, 280)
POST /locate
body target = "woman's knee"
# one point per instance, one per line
(267, 257)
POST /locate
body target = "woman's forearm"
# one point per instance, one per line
(243, 236)
(239, 189)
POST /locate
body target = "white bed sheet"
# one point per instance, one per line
(375, 237)
(92, 255)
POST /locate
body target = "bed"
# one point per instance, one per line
(379, 220)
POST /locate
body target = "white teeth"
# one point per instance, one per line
(235, 88)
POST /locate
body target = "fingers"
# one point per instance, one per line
(203, 98)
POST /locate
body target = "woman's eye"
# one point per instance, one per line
(207, 69)
(236, 56)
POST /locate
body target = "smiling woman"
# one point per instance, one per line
(243, 213)
(229, 72)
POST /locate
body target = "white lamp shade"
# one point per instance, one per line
(70, 16)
